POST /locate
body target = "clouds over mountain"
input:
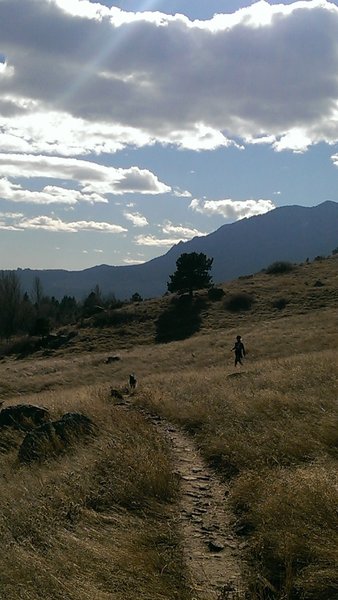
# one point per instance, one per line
(265, 73)
(98, 104)
(232, 209)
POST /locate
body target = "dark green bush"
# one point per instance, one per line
(215, 294)
(239, 302)
(280, 303)
(280, 266)
(113, 319)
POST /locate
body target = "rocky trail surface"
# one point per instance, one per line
(212, 552)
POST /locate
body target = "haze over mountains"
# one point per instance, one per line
(290, 233)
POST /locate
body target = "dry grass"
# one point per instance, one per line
(97, 522)
(270, 429)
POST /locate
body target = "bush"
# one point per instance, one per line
(41, 327)
(239, 302)
(280, 303)
(215, 294)
(114, 319)
(279, 267)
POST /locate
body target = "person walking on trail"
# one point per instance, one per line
(239, 350)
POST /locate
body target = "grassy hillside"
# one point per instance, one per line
(98, 523)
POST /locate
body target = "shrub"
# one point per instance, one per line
(278, 267)
(280, 303)
(136, 297)
(215, 294)
(239, 302)
(113, 319)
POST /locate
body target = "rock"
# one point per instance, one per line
(111, 359)
(54, 438)
(23, 416)
(74, 425)
(215, 546)
(38, 444)
(114, 393)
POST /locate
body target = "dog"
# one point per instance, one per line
(132, 381)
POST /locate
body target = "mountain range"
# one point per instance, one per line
(289, 233)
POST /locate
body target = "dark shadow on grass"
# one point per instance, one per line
(181, 320)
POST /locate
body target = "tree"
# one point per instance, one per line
(136, 297)
(192, 273)
(37, 292)
(10, 303)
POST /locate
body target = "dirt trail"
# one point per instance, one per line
(212, 552)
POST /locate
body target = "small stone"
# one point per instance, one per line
(215, 546)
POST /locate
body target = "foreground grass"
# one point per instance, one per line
(272, 431)
(95, 523)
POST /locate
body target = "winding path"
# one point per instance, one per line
(211, 551)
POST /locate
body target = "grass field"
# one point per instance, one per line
(99, 522)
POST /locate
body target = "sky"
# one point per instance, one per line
(128, 126)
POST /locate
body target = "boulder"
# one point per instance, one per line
(73, 425)
(51, 439)
(23, 416)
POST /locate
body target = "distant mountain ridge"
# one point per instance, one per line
(290, 233)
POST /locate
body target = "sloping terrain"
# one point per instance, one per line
(108, 520)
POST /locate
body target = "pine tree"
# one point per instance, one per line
(192, 273)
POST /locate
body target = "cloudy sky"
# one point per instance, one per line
(127, 126)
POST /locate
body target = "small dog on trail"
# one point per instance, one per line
(132, 381)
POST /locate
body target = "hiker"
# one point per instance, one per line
(239, 350)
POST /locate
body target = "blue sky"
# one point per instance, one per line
(128, 126)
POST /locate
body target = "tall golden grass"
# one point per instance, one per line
(98, 522)
(271, 429)
(95, 522)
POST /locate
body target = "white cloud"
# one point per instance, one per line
(174, 233)
(232, 209)
(95, 180)
(56, 225)
(261, 73)
(151, 240)
(49, 195)
(334, 159)
(44, 131)
(133, 261)
(297, 139)
(137, 219)
(181, 231)
(182, 193)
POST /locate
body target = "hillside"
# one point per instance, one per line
(291, 233)
(310, 289)
(206, 481)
